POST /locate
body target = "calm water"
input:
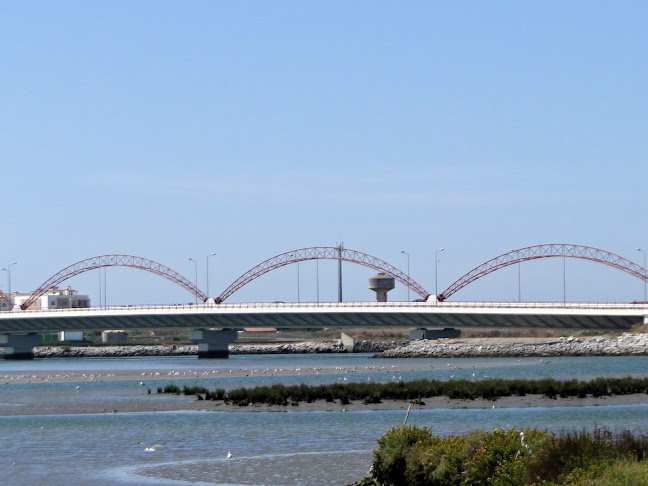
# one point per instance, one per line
(274, 448)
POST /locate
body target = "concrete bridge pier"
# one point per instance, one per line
(20, 346)
(445, 333)
(645, 319)
(213, 343)
(348, 342)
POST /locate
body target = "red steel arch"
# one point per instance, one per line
(546, 251)
(323, 253)
(114, 261)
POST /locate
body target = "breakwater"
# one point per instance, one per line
(191, 350)
(323, 347)
(627, 344)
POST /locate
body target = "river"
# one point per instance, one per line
(286, 448)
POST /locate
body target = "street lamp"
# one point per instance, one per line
(436, 273)
(105, 288)
(195, 275)
(319, 254)
(210, 255)
(105, 301)
(317, 275)
(645, 276)
(565, 250)
(519, 285)
(292, 255)
(100, 291)
(8, 270)
(408, 289)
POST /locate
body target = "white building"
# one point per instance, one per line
(55, 298)
(5, 303)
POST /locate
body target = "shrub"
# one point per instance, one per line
(390, 467)
(413, 456)
(375, 398)
(175, 390)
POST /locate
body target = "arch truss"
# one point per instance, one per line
(114, 261)
(546, 251)
(322, 253)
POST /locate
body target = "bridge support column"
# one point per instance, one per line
(348, 342)
(445, 333)
(212, 343)
(20, 346)
(645, 320)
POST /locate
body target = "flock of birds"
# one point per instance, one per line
(29, 378)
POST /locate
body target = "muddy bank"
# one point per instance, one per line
(89, 401)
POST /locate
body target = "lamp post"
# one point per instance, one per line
(105, 300)
(100, 291)
(105, 289)
(195, 275)
(319, 254)
(210, 255)
(565, 250)
(436, 273)
(317, 275)
(645, 276)
(292, 255)
(519, 285)
(8, 270)
(408, 277)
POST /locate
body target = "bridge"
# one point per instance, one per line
(19, 330)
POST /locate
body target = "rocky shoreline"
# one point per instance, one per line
(627, 344)
(191, 350)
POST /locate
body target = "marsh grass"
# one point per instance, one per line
(416, 390)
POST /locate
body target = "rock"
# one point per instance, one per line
(625, 345)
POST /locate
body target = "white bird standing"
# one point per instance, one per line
(229, 454)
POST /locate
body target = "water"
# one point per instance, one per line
(286, 448)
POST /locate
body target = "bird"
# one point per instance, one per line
(229, 454)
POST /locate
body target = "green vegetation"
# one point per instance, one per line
(413, 456)
(490, 389)
(201, 392)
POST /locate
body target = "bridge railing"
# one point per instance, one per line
(324, 305)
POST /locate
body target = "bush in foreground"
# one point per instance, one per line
(413, 456)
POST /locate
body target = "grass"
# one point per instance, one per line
(413, 456)
(623, 473)
(490, 389)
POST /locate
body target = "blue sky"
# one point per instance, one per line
(172, 130)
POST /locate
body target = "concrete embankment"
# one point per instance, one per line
(624, 345)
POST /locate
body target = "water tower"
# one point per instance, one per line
(381, 284)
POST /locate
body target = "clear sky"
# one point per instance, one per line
(171, 130)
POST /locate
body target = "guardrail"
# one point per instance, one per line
(337, 305)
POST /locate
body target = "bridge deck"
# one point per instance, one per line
(543, 315)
